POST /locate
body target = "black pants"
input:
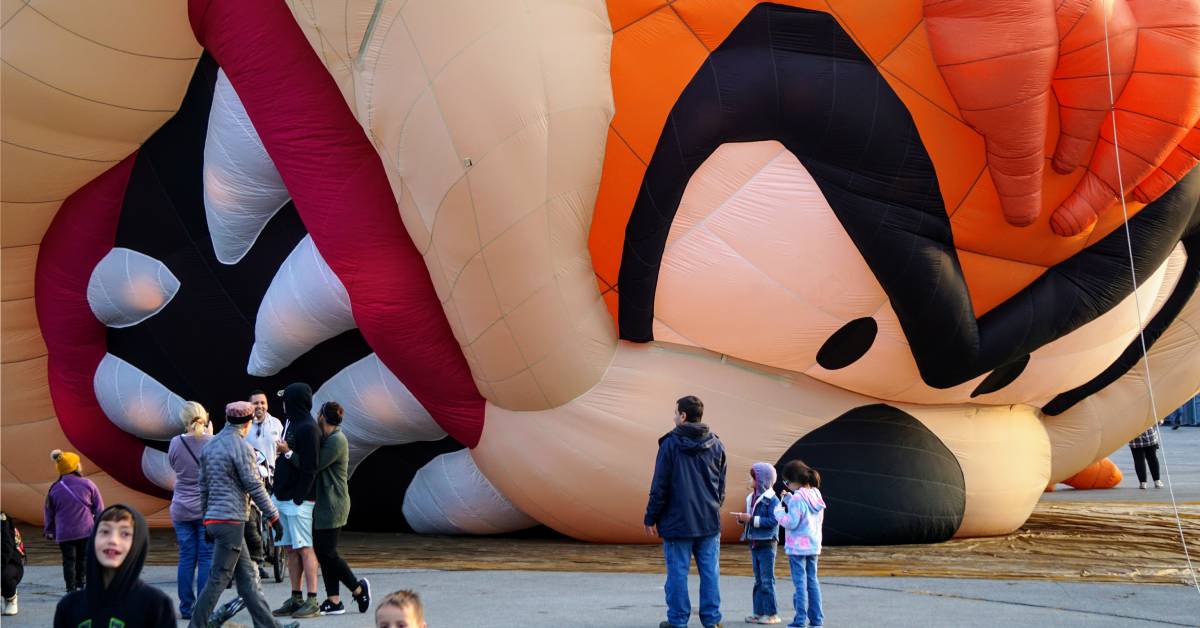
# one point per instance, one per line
(253, 539)
(74, 554)
(333, 567)
(13, 572)
(1143, 456)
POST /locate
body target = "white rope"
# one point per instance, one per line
(1137, 303)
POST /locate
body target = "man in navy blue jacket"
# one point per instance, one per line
(685, 510)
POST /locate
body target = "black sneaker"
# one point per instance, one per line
(329, 608)
(364, 598)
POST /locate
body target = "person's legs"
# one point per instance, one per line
(68, 564)
(708, 558)
(816, 616)
(1152, 461)
(334, 569)
(227, 549)
(763, 560)
(185, 573)
(677, 553)
(254, 541)
(324, 542)
(302, 542)
(800, 597)
(248, 586)
(204, 551)
(1139, 463)
(12, 575)
(80, 562)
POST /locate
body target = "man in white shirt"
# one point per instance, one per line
(264, 431)
(262, 434)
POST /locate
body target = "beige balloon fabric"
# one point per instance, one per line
(757, 266)
(493, 140)
(606, 441)
(84, 84)
(1105, 421)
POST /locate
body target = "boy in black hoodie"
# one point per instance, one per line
(115, 594)
(295, 494)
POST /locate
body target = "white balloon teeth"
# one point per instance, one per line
(157, 468)
(127, 287)
(305, 305)
(378, 409)
(449, 495)
(242, 188)
(136, 402)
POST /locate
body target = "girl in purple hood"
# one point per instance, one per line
(802, 513)
(761, 530)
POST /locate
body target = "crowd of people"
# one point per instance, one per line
(293, 475)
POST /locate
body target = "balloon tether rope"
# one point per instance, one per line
(1112, 111)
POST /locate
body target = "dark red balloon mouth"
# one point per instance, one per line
(344, 200)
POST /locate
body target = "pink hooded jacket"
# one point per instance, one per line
(802, 519)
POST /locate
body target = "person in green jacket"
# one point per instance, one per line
(331, 512)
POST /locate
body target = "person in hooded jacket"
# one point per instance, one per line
(115, 594)
(296, 496)
(761, 531)
(801, 513)
(684, 509)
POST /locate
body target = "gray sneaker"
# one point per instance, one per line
(308, 609)
(288, 607)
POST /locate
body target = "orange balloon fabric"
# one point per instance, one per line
(1100, 474)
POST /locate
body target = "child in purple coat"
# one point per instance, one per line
(72, 505)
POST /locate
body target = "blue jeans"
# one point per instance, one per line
(762, 559)
(807, 598)
(678, 554)
(195, 555)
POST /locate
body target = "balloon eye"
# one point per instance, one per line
(848, 344)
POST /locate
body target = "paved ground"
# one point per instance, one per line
(1180, 448)
(558, 598)
(535, 599)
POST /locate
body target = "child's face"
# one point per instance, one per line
(391, 616)
(113, 540)
(750, 482)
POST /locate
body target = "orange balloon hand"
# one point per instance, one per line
(1000, 60)
(1157, 108)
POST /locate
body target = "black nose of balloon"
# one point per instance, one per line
(885, 477)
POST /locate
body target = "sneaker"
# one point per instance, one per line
(329, 608)
(288, 607)
(1141, 485)
(307, 609)
(262, 573)
(770, 619)
(226, 611)
(10, 606)
(294, 624)
(753, 619)
(667, 624)
(364, 598)
(1158, 484)
(712, 625)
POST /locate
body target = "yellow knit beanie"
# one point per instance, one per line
(66, 461)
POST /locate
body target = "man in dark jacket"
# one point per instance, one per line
(296, 495)
(685, 510)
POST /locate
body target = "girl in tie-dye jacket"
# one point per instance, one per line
(801, 513)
